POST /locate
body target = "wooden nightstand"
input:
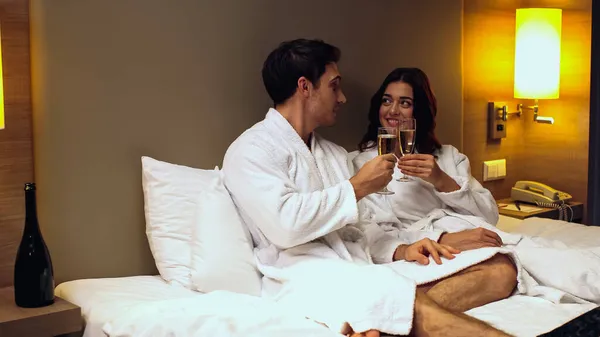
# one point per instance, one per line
(60, 318)
(550, 213)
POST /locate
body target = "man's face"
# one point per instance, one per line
(325, 101)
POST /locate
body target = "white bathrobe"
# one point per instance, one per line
(314, 244)
(417, 206)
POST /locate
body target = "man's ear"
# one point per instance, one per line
(304, 86)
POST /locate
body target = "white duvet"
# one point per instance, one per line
(219, 313)
(550, 268)
(227, 314)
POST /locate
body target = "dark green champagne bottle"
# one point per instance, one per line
(34, 275)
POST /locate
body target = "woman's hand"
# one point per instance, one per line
(425, 167)
(471, 239)
(420, 251)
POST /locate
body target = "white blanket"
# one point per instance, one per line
(227, 314)
(319, 253)
(222, 314)
(549, 269)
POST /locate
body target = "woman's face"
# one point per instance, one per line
(396, 104)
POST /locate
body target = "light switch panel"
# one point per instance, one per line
(494, 169)
(501, 168)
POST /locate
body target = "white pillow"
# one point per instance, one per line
(222, 249)
(170, 195)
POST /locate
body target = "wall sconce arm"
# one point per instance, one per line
(536, 117)
(503, 112)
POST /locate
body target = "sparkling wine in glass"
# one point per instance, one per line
(407, 130)
(387, 142)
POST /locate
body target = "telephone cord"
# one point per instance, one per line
(562, 209)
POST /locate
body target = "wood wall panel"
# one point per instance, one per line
(553, 154)
(16, 156)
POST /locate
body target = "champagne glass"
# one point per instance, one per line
(407, 129)
(387, 141)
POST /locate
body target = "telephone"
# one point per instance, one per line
(537, 193)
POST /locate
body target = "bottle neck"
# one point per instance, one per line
(31, 220)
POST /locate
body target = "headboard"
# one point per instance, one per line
(113, 81)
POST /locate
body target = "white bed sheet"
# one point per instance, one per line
(572, 234)
(146, 306)
(105, 300)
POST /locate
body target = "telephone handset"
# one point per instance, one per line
(537, 193)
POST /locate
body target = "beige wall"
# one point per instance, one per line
(179, 80)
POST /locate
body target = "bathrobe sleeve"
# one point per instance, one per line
(383, 236)
(472, 198)
(258, 178)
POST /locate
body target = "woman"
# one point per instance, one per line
(442, 196)
(439, 175)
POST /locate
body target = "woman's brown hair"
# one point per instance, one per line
(424, 110)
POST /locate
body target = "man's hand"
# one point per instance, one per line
(373, 176)
(420, 251)
(471, 239)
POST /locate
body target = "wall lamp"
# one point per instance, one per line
(537, 66)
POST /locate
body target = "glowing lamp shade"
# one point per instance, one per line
(537, 53)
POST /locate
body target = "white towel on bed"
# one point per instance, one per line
(550, 268)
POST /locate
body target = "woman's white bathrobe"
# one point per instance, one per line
(417, 206)
(415, 199)
(315, 245)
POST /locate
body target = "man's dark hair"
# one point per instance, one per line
(292, 60)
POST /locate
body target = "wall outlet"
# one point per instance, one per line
(494, 169)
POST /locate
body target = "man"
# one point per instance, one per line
(314, 245)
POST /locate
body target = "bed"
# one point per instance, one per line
(104, 300)
(137, 305)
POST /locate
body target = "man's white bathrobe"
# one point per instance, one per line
(315, 245)
(547, 269)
